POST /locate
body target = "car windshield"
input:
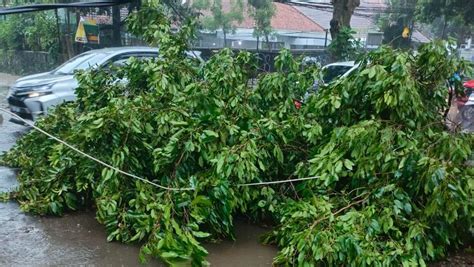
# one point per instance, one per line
(332, 72)
(80, 62)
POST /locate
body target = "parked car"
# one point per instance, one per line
(338, 70)
(30, 97)
(330, 72)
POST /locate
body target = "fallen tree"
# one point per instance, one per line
(388, 183)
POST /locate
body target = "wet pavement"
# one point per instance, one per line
(77, 238)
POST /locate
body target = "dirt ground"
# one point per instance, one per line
(462, 258)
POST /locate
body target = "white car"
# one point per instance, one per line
(338, 70)
(331, 72)
(30, 97)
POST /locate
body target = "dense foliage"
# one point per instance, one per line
(37, 32)
(432, 9)
(345, 47)
(391, 184)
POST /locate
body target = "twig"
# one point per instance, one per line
(337, 212)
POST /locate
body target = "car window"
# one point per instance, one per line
(122, 60)
(330, 73)
(80, 62)
(119, 63)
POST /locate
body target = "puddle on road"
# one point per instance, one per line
(78, 239)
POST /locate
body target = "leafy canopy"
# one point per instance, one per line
(391, 187)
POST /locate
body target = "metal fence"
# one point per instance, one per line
(28, 62)
(266, 59)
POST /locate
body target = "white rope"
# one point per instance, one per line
(132, 175)
(281, 181)
(91, 157)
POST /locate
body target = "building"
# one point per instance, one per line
(302, 24)
(291, 29)
(362, 21)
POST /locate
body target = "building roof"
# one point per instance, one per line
(361, 21)
(287, 17)
(363, 3)
(323, 17)
(419, 37)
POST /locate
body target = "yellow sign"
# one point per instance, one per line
(81, 33)
(406, 32)
(87, 32)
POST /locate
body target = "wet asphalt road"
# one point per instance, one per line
(77, 239)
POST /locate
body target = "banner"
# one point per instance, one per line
(87, 32)
(81, 33)
(406, 32)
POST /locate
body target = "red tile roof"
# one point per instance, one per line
(286, 18)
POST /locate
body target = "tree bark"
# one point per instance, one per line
(225, 37)
(267, 40)
(117, 39)
(445, 24)
(342, 14)
(258, 39)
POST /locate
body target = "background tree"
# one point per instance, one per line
(400, 14)
(455, 28)
(342, 14)
(221, 18)
(32, 31)
(262, 12)
(447, 14)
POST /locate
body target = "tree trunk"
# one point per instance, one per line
(258, 39)
(267, 40)
(117, 39)
(225, 37)
(342, 14)
(445, 24)
(58, 32)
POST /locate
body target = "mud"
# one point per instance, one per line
(77, 238)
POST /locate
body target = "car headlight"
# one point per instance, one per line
(39, 91)
(36, 94)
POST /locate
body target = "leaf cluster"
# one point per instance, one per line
(345, 47)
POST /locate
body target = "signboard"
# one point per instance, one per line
(87, 32)
(406, 32)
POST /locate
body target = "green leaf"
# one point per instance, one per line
(211, 133)
(201, 234)
(220, 163)
(348, 164)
